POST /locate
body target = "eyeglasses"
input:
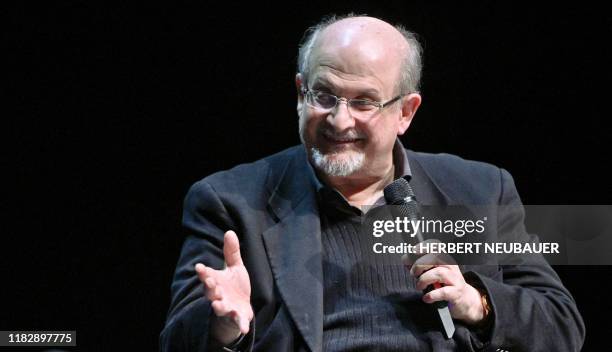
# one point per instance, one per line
(358, 108)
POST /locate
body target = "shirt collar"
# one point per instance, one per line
(400, 160)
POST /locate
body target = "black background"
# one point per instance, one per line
(115, 110)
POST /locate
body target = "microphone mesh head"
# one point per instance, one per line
(397, 191)
(397, 195)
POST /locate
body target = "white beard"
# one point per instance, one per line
(342, 163)
(338, 164)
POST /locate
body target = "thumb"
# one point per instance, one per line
(231, 249)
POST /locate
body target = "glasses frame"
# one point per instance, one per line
(378, 104)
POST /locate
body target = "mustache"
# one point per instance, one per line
(345, 135)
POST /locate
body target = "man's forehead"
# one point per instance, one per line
(353, 30)
(361, 39)
(326, 76)
(360, 48)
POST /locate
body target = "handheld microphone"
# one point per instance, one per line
(400, 195)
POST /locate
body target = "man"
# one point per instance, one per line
(273, 259)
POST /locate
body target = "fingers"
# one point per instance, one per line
(446, 293)
(427, 262)
(447, 281)
(202, 272)
(231, 249)
(205, 274)
(221, 309)
(441, 275)
(239, 317)
(213, 291)
(221, 306)
(421, 261)
(243, 325)
(419, 251)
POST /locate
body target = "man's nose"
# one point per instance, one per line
(340, 116)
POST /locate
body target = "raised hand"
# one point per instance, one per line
(229, 290)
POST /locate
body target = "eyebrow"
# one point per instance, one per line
(320, 81)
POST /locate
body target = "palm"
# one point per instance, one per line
(236, 286)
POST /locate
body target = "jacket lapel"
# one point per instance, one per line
(425, 189)
(293, 246)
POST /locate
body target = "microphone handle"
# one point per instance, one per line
(441, 306)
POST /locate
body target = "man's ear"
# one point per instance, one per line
(300, 95)
(410, 104)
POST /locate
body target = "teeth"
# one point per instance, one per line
(341, 139)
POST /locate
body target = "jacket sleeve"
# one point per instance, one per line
(532, 310)
(205, 221)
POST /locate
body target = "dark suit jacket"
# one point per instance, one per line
(273, 209)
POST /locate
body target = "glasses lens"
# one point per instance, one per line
(362, 109)
(323, 100)
(363, 105)
(359, 108)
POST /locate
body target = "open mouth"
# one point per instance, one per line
(337, 140)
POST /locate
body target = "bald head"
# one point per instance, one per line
(360, 44)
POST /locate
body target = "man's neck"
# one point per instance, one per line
(363, 188)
